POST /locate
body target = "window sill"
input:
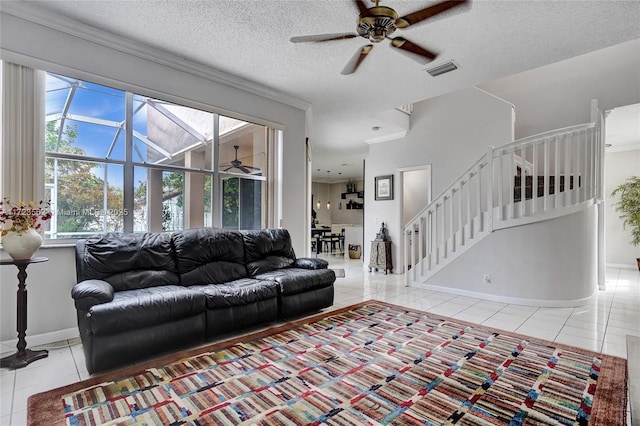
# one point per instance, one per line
(58, 244)
(53, 245)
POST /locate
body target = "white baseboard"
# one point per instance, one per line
(41, 339)
(622, 265)
(569, 303)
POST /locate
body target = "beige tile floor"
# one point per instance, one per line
(602, 325)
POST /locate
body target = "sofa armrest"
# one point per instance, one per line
(91, 292)
(310, 263)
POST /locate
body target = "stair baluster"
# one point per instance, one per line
(532, 179)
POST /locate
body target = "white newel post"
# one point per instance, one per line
(489, 183)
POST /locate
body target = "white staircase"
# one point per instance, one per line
(532, 179)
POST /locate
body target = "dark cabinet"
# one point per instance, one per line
(380, 256)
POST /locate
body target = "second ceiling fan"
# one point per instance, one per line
(237, 164)
(377, 23)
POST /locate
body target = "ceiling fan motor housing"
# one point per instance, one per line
(377, 26)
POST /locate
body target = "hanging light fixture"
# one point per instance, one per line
(318, 199)
(328, 201)
(318, 202)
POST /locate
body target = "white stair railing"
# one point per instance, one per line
(562, 177)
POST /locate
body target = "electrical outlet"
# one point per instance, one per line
(487, 278)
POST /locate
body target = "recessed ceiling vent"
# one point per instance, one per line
(442, 69)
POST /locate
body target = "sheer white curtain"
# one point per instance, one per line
(273, 202)
(23, 107)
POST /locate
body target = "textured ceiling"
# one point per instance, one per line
(250, 39)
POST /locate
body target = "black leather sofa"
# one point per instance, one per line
(139, 295)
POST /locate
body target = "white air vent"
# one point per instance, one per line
(442, 69)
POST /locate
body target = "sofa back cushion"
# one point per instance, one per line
(127, 261)
(209, 256)
(267, 249)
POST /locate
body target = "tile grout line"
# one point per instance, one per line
(606, 326)
(75, 361)
(501, 309)
(13, 396)
(564, 325)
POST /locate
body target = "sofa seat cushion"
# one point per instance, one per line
(135, 309)
(297, 280)
(237, 293)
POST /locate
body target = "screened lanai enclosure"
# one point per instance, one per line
(120, 161)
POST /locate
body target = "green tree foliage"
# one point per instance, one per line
(80, 202)
(172, 187)
(230, 203)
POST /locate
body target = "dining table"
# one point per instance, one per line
(318, 234)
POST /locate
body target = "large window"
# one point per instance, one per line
(120, 161)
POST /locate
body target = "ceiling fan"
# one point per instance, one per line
(237, 164)
(377, 23)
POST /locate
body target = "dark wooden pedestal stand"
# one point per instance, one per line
(24, 356)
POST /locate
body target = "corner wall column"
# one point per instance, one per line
(598, 118)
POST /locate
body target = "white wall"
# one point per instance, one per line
(618, 167)
(560, 94)
(352, 216)
(449, 132)
(322, 192)
(550, 263)
(415, 193)
(136, 68)
(333, 192)
(50, 307)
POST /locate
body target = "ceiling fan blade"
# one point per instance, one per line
(322, 37)
(357, 59)
(227, 169)
(428, 12)
(244, 169)
(362, 8)
(417, 53)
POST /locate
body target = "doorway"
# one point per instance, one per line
(415, 195)
(621, 160)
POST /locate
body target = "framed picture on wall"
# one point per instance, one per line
(384, 187)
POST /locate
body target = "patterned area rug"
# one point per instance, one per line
(369, 364)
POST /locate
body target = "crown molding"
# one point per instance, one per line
(623, 148)
(386, 138)
(32, 13)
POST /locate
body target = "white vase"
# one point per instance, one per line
(22, 247)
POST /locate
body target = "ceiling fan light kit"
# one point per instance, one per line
(378, 23)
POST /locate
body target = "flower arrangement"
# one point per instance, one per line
(23, 216)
